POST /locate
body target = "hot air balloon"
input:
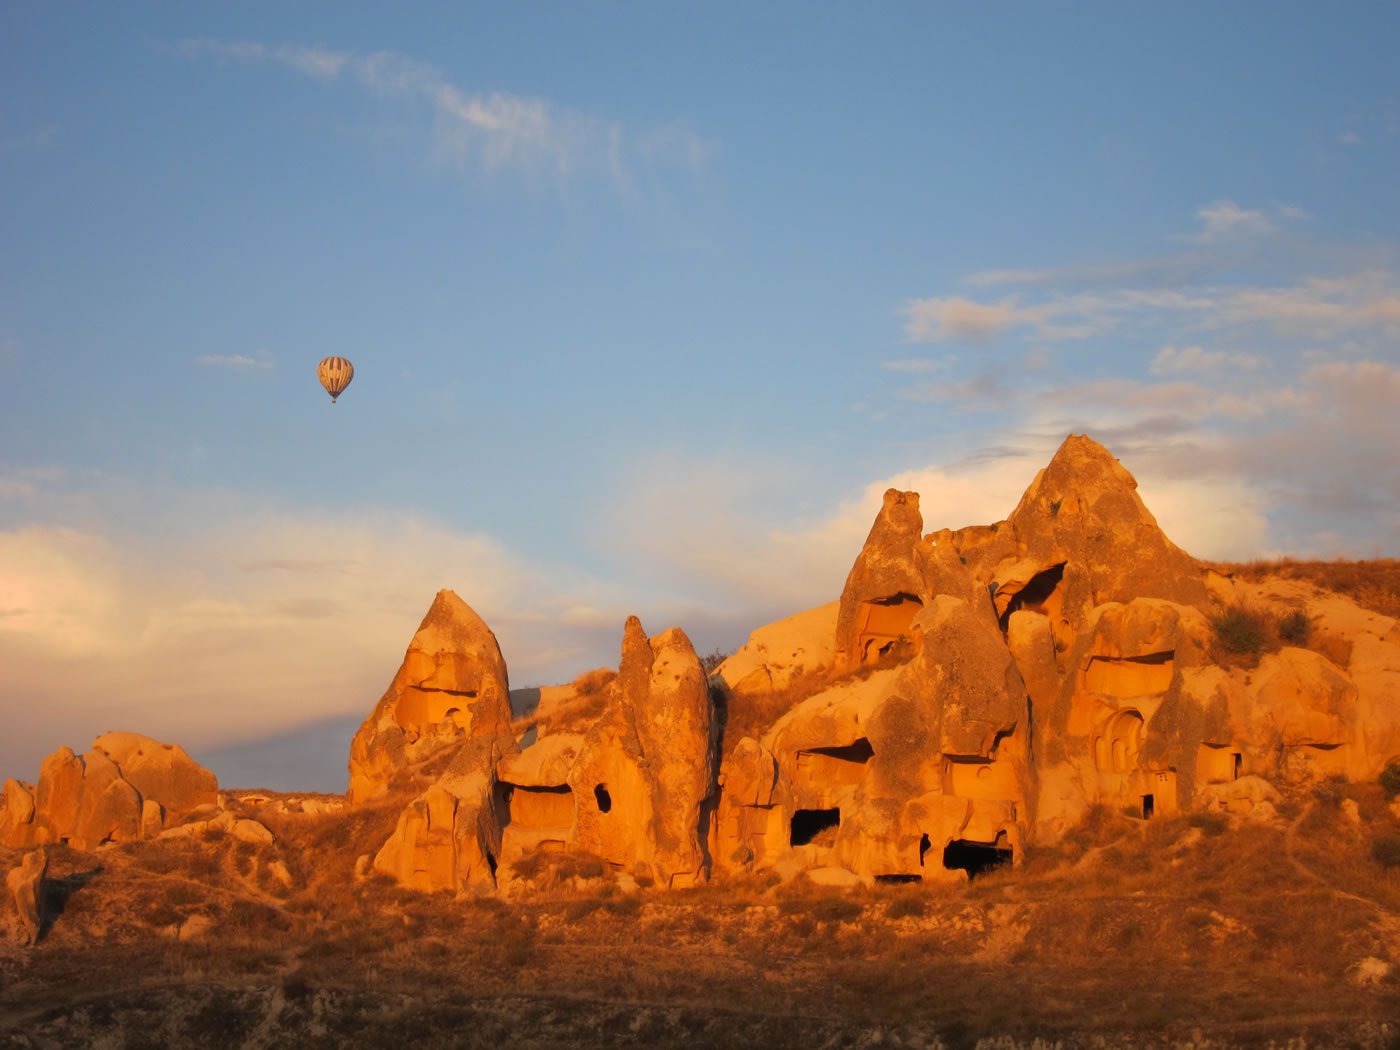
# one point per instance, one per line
(335, 374)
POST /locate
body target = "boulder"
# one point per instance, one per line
(163, 772)
(26, 886)
(89, 800)
(779, 654)
(16, 813)
(451, 688)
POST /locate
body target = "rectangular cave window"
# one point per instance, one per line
(541, 807)
(1146, 807)
(976, 858)
(814, 826)
(1236, 758)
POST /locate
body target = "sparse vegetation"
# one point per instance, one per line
(1373, 584)
(1127, 925)
(1294, 628)
(1389, 779)
(1386, 850)
(1241, 630)
(710, 662)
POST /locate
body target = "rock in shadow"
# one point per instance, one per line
(57, 894)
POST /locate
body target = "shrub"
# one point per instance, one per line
(908, 907)
(582, 908)
(1386, 850)
(1390, 779)
(518, 944)
(1241, 630)
(711, 662)
(629, 905)
(1210, 823)
(1295, 627)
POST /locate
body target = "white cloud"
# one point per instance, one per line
(239, 362)
(1349, 138)
(1214, 518)
(491, 130)
(955, 317)
(1225, 220)
(251, 625)
(1315, 307)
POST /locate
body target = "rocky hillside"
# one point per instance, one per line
(1048, 775)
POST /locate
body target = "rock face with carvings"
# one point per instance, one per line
(126, 788)
(914, 757)
(630, 785)
(1080, 537)
(635, 787)
(450, 689)
(434, 739)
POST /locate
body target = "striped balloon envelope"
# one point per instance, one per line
(335, 374)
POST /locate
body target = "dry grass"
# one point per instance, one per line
(1127, 927)
(1373, 584)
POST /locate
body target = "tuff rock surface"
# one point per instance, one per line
(26, 886)
(127, 787)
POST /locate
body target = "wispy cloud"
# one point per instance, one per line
(1172, 360)
(1224, 220)
(239, 362)
(956, 317)
(486, 131)
(919, 364)
(1316, 307)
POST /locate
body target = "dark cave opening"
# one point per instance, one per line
(807, 824)
(600, 793)
(975, 858)
(859, 751)
(1034, 594)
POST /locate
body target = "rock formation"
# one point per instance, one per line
(972, 693)
(634, 788)
(127, 787)
(437, 734)
(26, 885)
(780, 654)
(450, 690)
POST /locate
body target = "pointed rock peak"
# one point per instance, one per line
(635, 669)
(1080, 474)
(899, 513)
(454, 620)
(1081, 457)
(671, 638)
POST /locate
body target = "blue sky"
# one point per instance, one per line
(648, 303)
